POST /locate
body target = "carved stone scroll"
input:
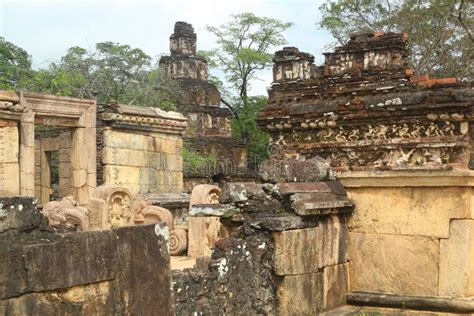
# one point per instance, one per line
(178, 241)
(144, 212)
(205, 194)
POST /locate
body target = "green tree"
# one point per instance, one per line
(245, 47)
(15, 66)
(441, 32)
(258, 140)
(111, 72)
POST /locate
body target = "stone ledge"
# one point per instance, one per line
(431, 303)
(411, 178)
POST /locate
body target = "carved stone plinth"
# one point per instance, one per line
(110, 207)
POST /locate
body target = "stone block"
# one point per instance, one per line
(131, 141)
(334, 187)
(332, 241)
(138, 278)
(171, 162)
(335, 285)
(300, 294)
(8, 123)
(93, 299)
(144, 274)
(320, 203)
(296, 251)
(9, 144)
(79, 178)
(76, 259)
(213, 210)
(292, 170)
(456, 262)
(240, 191)
(405, 265)
(417, 211)
(167, 146)
(121, 175)
(10, 178)
(203, 232)
(79, 154)
(19, 213)
(126, 157)
(13, 280)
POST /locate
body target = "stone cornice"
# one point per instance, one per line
(133, 122)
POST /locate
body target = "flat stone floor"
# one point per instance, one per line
(378, 311)
(182, 262)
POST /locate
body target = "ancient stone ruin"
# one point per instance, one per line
(285, 249)
(209, 131)
(365, 203)
(401, 145)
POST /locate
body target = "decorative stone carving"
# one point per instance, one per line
(66, 212)
(110, 207)
(178, 241)
(144, 212)
(205, 194)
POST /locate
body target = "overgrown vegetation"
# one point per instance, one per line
(195, 163)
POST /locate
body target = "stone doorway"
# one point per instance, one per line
(76, 147)
(52, 163)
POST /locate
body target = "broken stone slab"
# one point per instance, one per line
(20, 213)
(334, 187)
(240, 191)
(219, 210)
(292, 170)
(320, 204)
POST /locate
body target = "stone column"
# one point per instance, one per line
(83, 158)
(27, 153)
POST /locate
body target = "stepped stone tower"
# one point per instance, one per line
(209, 126)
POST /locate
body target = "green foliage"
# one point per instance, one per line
(112, 72)
(247, 126)
(245, 47)
(441, 32)
(15, 66)
(195, 163)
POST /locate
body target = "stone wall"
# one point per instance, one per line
(141, 149)
(285, 253)
(400, 144)
(420, 217)
(44, 272)
(9, 158)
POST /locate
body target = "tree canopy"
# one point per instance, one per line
(245, 47)
(111, 72)
(441, 32)
(15, 66)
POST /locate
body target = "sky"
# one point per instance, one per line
(47, 28)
